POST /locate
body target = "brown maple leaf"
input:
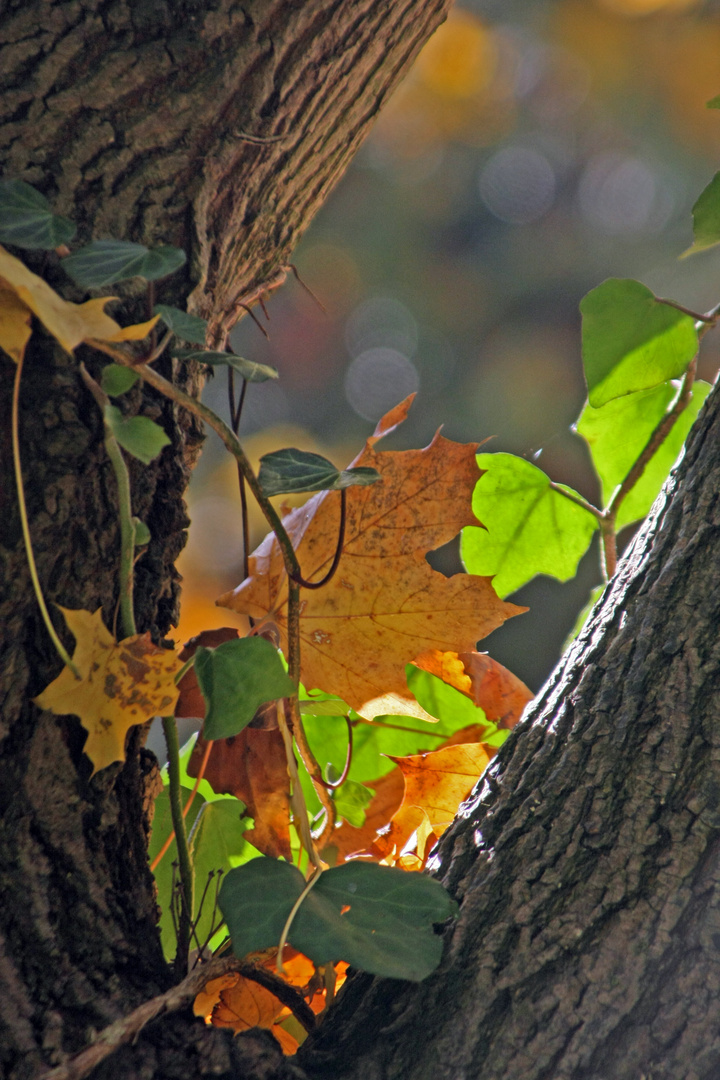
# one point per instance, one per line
(385, 604)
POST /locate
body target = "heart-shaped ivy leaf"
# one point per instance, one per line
(27, 219)
(105, 262)
(289, 471)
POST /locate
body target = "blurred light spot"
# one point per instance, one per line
(518, 185)
(619, 194)
(215, 539)
(377, 380)
(554, 81)
(381, 321)
(460, 59)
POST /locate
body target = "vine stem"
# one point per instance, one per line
(127, 525)
(228, 437)
(290, 559)
(17, 465)
(185, 864)
(298, 799)
(186, 809)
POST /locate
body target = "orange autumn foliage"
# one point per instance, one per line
(385, 604)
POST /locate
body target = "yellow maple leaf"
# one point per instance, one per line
(122, 684)
(385, 604)
(69, 323)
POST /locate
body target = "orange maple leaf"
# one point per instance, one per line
(385, 604)
(122, 684)
(435, 785)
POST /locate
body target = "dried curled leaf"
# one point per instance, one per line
(122, 684)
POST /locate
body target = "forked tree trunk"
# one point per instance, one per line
(218, 127)
(588, 862)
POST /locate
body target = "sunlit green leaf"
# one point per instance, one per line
(631, 340)
(529, 527)
(188, 327)
(290, 471)
(350, 800)
(117, 379)
(706, 213)
(235, 679)
(377, 918)
(218, 844)
(618, 432)
(105, 262)
(139, 435)
(249, 369)
(27, 219)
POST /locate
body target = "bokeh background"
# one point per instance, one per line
(534, 150)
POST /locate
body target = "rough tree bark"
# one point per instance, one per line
(588, 862)
(217, 126)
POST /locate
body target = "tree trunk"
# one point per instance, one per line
(220, 128)
(587, 862)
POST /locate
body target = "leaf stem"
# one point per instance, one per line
(573, 497)
(293, 912)
(127, 525)
(184, 861)
(22, 507)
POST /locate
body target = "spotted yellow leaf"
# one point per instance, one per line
(69, 323)
(121, 684)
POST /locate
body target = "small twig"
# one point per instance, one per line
(127, 525)
(185, 864)
(22, 507)
(255, 319)
(308, 290)
(129, 1027)
(338, 550)
(235, 415)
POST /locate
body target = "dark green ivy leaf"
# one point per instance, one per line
(377, 918)
(236, 678)
(289, 471)
(27, 220)
(188, 327)
(105, 262)
(139, 435)
(250, 371)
